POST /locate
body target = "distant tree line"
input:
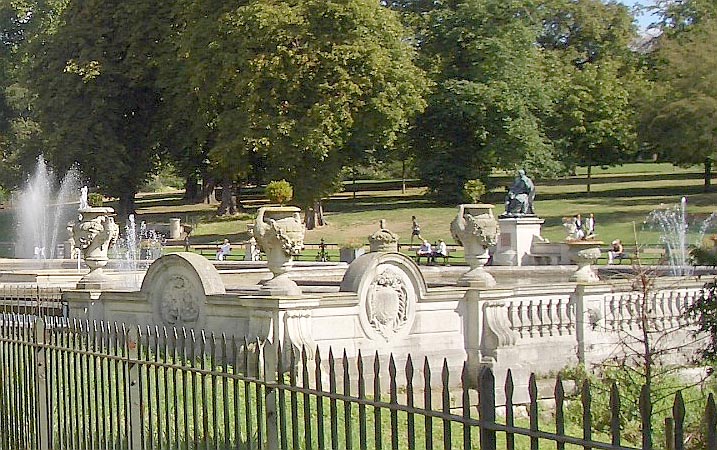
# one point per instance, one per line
(230, 93)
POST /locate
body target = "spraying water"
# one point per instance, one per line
(673, 226)
(43, 211)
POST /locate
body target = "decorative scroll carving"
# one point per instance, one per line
(497, 326)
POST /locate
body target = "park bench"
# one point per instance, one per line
(648, 255)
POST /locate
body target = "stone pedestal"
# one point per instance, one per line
(515, 240)
(175, 228)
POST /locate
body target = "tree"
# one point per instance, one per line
(589, 45)
(679, 120)
(311, 85)
(490, 99)
(94, 77)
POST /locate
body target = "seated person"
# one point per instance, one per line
(424, 250)
(440, 252)
(616, 251)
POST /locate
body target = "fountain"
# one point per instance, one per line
(672, 223)
(43, 212)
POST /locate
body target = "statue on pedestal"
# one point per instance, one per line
(521, 194)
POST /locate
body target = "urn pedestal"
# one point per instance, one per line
(279, 233)
(94, 233)
(584, 253)
(476, 229)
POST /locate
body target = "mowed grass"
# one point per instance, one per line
(621, 198)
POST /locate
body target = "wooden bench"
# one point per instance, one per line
(647, 255)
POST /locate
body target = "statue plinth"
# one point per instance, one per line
(383, 240)
(94, 233)
(476, 229)
(584, 253)
(279, 232)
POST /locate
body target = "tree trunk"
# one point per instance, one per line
(708, 174)
(125, 206)
(228, 204)
(208, 189)
(590, 177)
(314, 216)
(403, 176)
(191, 189)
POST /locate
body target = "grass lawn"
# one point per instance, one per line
(621, 198)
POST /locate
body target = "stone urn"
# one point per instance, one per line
(94, 233)
(279, 232)
(476, 229)
(584, 253)
(383, 240)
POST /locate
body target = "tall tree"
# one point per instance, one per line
(594, 119)
(94, 76)
(310, 84)
(490, 97)
(680, 121)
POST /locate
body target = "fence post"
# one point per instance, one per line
(134, 390)
(270, 376)
(44, 432)
(486, 408)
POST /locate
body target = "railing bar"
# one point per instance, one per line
(259, 400)
(320, 435)
(4, 385)
(393, 395)
(614, 414)
(236, 401)
(363, 432)
(533, 410)
(203, 388)
(158, 389)
(348, 420)
(247, 399)
(559, 410)
(175, 397)
(333, 407)
(166, 376)
(225, 391)
(76, 389)
(378, 438)
(307, 399)
(195, 378)
(587, 412)
(466, 405)
(446, 400)
(509, 389)
(410, 417)
(293, 395)
(427, 403)
(284, 439)
(215, 417)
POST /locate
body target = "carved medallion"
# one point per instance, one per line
(388, 304)
(179, 304)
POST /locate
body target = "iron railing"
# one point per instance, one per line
(80, 385)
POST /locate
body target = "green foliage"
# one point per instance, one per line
(678, 120)
(95, 199)
(704, 312)
(629, 386)
(279, 192)
(473, 190)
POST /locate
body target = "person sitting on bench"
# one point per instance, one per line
(440, 252)
(424, 250)
(617, 251)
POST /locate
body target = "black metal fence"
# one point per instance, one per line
(79, 385)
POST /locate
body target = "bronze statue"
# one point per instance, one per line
(519, 201)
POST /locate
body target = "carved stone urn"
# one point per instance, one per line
(383, 240)
(584, 253)
(476, 229)
(279, 232)
(94, 233)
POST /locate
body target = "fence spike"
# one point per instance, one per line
(533, 409)
(465, 399)
(486, 407)
(615, 414)
(645, 406)
(446, 401)
(678, 414)
(711, 422)
(586, 398)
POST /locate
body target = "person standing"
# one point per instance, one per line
(590, 226)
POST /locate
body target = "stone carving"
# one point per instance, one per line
(179, 304)
(519, 201)
(94, 233)
(584, 253)
(279, 233)
(476, 229)
(383, 240)
(387, 304)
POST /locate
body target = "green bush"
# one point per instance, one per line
(95, 199)
(279, 192)
(473, 190)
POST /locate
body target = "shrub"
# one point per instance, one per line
(279, 192)
(95, 199)
(473, 190)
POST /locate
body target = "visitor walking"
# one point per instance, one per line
(415, 229)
